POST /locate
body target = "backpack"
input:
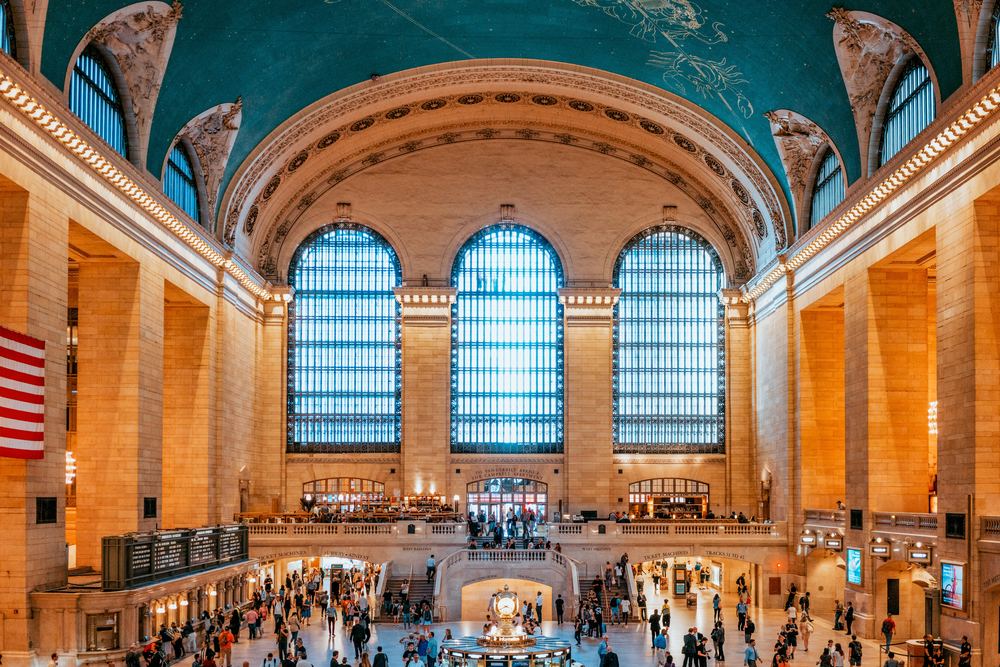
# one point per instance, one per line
(886, 627)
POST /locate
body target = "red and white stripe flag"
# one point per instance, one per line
(22, 395)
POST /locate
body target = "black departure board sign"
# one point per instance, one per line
(138, 559)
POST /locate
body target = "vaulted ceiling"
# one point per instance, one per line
(737, 60)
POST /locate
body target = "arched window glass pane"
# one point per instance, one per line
(94, 98)
(911, 109)
(828, 190)
(669, 352)
(344, 344)
(993, 50)
(507, 344)
(7, 43)
(179, 183)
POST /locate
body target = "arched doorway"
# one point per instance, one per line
(825, 576)
(494, 497)
(346, 494)
(900, 589)
(668, 498)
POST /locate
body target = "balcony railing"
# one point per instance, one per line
(908, 523)
(824, 518)
(990, 526)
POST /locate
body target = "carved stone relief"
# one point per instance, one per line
(868, 48)
(798, 140)
(211, 135)
(967, 13)
(140, 37)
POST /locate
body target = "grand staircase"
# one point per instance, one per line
(420, 589)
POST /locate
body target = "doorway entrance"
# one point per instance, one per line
(493, 498)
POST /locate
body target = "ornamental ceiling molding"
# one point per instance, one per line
(140, 37)
(868, 48)
(211, 135)
(271, 250)
(799, 141)
(310, 127)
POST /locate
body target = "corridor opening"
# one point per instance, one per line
(477, 596)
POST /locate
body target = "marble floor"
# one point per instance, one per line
(631, 642)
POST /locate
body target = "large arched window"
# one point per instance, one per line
(828, 189)
(344, 343)
(507, 344)
(179, 181)
(94, 97)
(669, 352)
(911, 109)
(7, 42)
(993, 44)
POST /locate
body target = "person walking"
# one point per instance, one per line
(431, 568)
(888, 630)
(748, 629)
(806, 629)
(432, 649)
(854, 652)
(654, 626)
(381, 659)
(716, 608)
(226, 640)
(560, 609)
(741, 615)
(750, 657)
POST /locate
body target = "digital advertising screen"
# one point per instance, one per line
(854, 566)
(952, 585)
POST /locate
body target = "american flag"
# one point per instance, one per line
(22, 395)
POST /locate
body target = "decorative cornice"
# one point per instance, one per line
(586, 306)
(426, 306)
(48, 122)
(140, 38)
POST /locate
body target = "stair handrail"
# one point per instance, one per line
(453, 557)
(633, 589)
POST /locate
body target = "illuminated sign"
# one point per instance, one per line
(953, 585)
(834, 543)
(854, 566)
(921, 556)
(808, 540)
(879, 550)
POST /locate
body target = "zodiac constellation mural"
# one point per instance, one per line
(677, 21)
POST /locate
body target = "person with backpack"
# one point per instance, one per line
(381, 659)
(888, 630)
(748, 629)
(854, 650)
(719, 641)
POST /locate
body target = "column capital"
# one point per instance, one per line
(737, 310)
(427, 306)
(589, 305)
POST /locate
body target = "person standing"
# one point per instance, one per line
(719, 641)
(654, 626)
(640, 602)
(838, 615)
(226, 640)
(965, 653)
(626, 608)
(690, 648)
(888, 630)
(849, 617)
(560, 608)
(432, 649)
(716, 608)
(741, 615)
(891, 661)
(539, 600)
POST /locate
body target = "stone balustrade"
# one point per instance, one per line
(990, 528)
(825, 518)
(905, 523)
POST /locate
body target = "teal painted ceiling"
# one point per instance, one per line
(735, 58)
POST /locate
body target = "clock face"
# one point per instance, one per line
(506, 606)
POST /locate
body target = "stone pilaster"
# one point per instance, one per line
(741, 493)
(188, 418)
(120, 402)
(589, 315)
(426, 368)
(266, 488)
(968, 368)
(33, 298)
